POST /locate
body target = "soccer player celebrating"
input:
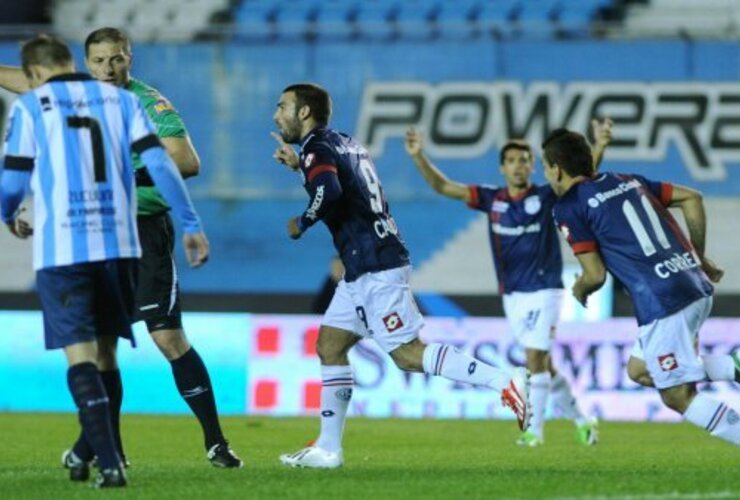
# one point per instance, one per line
(374, 299)
(108, 56)
(72, 139)
(620, 223)
(529, 267)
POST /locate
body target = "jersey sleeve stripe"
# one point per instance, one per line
(584, 247)
(20, 163)
(320, 169)
(666, 193)
(146, 142)
(474, 201)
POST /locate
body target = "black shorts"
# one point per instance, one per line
(158, 292)
(84, 301)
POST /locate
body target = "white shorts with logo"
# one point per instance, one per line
(534, 316)
(669, 346)
(378, 306)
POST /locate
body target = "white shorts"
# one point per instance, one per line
(669, 346)
(378, 306)
(534, 316)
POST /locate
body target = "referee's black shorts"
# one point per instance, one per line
(158, 291)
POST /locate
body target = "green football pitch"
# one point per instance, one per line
(383, 459)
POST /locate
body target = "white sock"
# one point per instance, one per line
(714, 416)
(336, 391)
(448, 362)
(538, 390)
(562, 398)
(719, 366)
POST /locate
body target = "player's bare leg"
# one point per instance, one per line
(194, 385)
(448, 362)
(332, 347)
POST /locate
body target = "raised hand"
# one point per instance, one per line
(285, 153)
(414, 144)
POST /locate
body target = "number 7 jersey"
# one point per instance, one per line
(625, 219)
(347, 195)
(76, 136)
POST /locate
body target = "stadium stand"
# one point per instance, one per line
(271, 20)
(381, 19)
(692, 18)
(146, 20)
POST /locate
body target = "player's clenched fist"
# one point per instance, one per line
(284, 153)
(413, 143)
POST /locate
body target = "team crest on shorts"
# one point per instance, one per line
(532, 205)
(392, 322)
(668, 362)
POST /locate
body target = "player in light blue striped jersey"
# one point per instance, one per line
(71, 139)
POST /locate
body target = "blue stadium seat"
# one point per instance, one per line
(295, 17)
(535, 18)
(576, 16)
(377, 18)
(338, 18)
(417, 17)
(256, 18)
(497, 15)
(459, 17)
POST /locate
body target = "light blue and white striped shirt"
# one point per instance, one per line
(74, 137)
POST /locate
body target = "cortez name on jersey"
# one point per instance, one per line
(346, 194)
(624, 218)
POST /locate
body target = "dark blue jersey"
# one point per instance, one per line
(524, 240)
(624, 218)
(346, 194)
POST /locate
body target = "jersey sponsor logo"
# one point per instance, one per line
(499, 206)
(162, 105)
(318, 199)
(468, 119)
(392, 322)
(622, 188)
(516, 230)
(532, 205)
(668, 362)
(45, 103)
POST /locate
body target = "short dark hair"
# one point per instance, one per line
(570, 151)
(44, 50)
(313, 96)
(517, 144)
(108, 34)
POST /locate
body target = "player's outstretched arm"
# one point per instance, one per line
(13, 79)
(691, 203)
(591, 279)
(183, 153)
(434, 177)
(602, 130)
